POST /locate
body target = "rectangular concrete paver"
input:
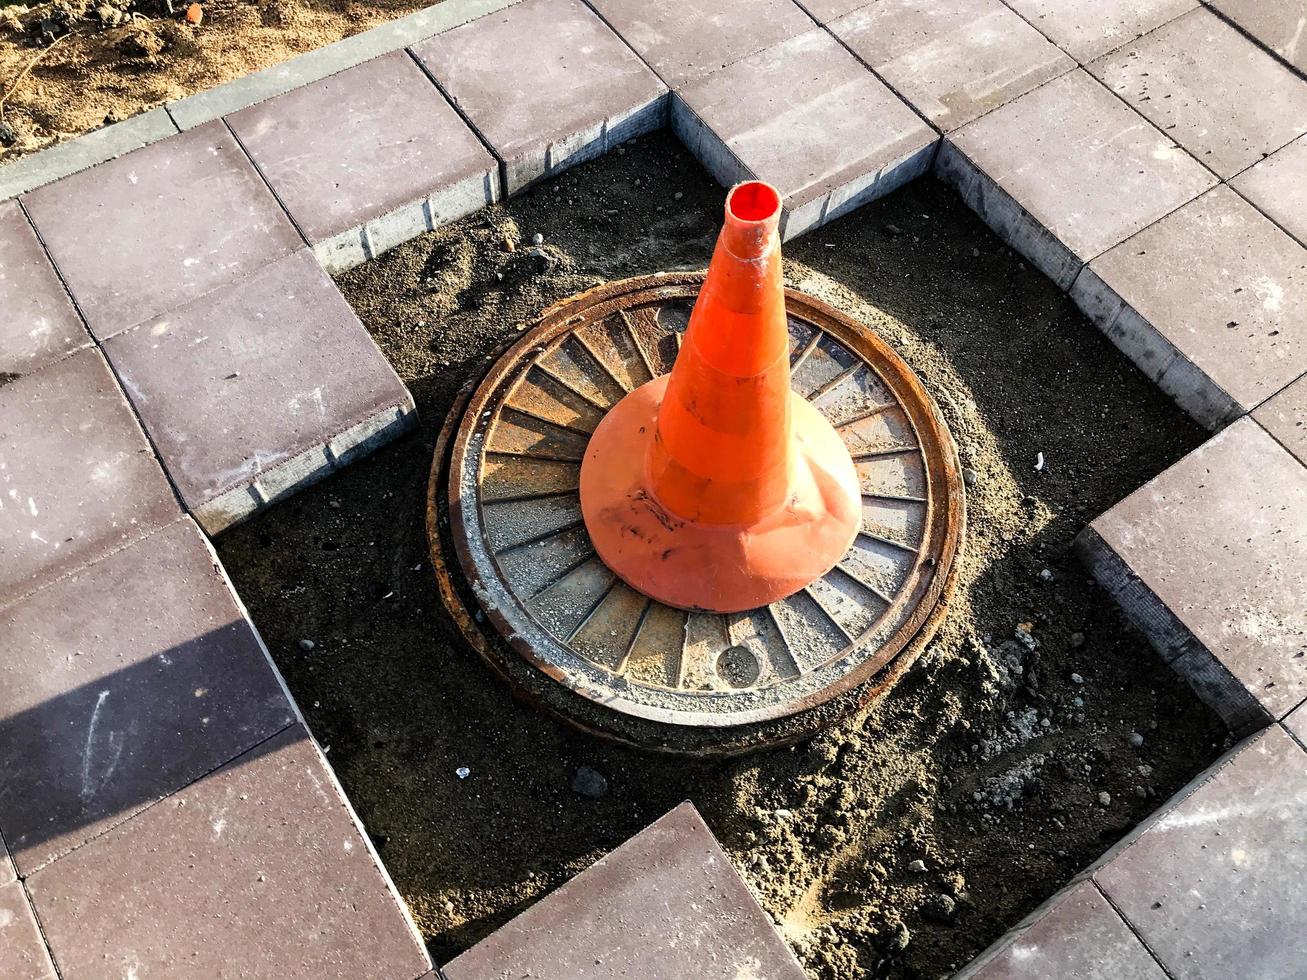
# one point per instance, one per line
(1210, 302)
(160, 226)
(1213, 91)
(806, 116)
(1214, 886)
(1078, 935)
(23, 955)
(1278, 186)
(259, 388)
(257, 870)
(1209, 560)
(955, 61)
(121, 684)
(1066, 171)
(686, 39)
(1285, 418)
(547, 84)
(368, 158)
(77, 478)
(38, 324)
(1279, 25)
(1296, 724)
(7, 872)
(618, 918)
(1087, 29)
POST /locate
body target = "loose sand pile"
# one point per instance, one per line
(899, 843)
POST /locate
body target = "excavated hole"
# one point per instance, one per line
(954, 768)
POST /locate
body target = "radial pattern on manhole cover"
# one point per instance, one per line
(533, 597)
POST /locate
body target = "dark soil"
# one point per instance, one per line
(987, 762)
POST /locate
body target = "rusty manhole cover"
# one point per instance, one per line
(531, 595)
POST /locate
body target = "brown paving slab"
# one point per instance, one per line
(121, 684)
(368, 158)
(1090, 28)
(1213, 91)
(953, 62)
(39, 324)
(806, 116)
(1210, 561)
(259, 388)
(149, 231)
(1285, 417)
(1280, 25)
(547, 84)
(77, 478)
(23, 955)
(1214, 886)
(686, 39)
(1078, 935)
(1066, 171)
(257, 870)
(1210, 302)
(1278, 186)
(614, 918)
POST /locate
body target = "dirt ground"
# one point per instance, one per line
(110, 59)
(1034, 732)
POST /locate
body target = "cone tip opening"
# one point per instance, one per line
(753, 201)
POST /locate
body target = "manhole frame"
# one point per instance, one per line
(496, 639)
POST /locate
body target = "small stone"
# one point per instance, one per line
(917, 867)
(1104, 798)
(970, 477)
(1077, 640)
(1077, 679)
(940, 908)
(678, 195)
(783, 814)
(1136, 740)
(307, 645)
(334, 504)
(589, 782)
(1046, 575)
(892, 229)
(537, 239)
(462, 772)
(1141, 792)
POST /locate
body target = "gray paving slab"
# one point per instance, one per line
(368, 158)
(1278, 25)
(149, 231)
(1296, 724)
(37, 169)
(123, 683)
(77, 478)
(7, 872)
(23, 955)
(1213, 91)
(614, 918)
(1284, 416)
(546, 84)
(39, 324)
(686, 39)
(1278, 186)
(214, 103)
(259, 388)
(1087, 29)
(258, 870)
(1214, 887)
(1210, 302)
(807, 117)
(1209, 560)
(825, 11)
(1067, 171)
(1078, 934)
(953, 62)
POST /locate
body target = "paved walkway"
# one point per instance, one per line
(174, 356)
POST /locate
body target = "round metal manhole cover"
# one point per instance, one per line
(542, 608)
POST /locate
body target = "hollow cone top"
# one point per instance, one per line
(715, 487)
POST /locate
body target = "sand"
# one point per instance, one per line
(987, 760)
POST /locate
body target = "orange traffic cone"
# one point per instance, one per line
(716, 487)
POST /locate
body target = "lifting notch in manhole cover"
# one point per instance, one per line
(709, 559)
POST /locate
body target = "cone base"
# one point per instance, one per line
(720, 568)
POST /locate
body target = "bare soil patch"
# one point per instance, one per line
(900, 842)
(111, 59)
